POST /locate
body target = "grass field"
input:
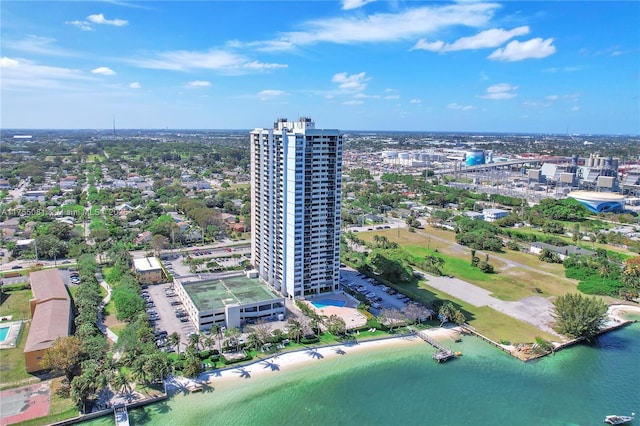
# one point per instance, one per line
(509, 283)
(92, 158)
(517, 275)
(16, 303)
(12, 362)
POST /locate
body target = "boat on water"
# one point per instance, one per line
(619, 420)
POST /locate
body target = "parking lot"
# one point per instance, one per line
(379, 295)
(164, 312)
(225, 257)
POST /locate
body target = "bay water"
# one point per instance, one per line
(404, 386)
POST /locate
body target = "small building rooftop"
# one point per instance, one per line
(216, 294)
(146, 264)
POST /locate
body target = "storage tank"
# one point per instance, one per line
(474, 158)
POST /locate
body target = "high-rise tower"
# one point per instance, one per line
(296, 195)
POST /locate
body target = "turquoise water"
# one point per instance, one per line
(4, 331)
(328, 302)
(404, 386)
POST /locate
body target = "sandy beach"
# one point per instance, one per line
(290, 360)
(618, 312)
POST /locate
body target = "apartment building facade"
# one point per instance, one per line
(296, 181)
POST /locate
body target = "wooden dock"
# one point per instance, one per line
(443, 353)
(121, 415)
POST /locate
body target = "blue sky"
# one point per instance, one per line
(509, 66)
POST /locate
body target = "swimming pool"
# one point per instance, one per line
(4, 331)
(328, 302)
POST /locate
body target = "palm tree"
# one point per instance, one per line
(174, 340)
(138, 371)
(295, 330)
(194, 340)
(434, 263)
(217, 331)
(254, 340)
(207, 342)
(122, 382)
(277, 335)
(233, 334)
(604, 269)
(446, 312)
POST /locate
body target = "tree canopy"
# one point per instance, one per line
(579, 316)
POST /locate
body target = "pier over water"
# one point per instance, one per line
(121, 415)
(443, 353)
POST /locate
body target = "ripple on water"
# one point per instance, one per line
(404, 386)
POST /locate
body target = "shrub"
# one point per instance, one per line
(309, 340)
(247, 357)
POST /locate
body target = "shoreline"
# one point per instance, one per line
(291, 360)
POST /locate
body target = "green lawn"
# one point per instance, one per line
(507, 283)
(110, 308)
(12, 363)
(16, 303)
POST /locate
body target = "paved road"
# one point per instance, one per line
(534, 310)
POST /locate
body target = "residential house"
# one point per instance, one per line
(562, 252)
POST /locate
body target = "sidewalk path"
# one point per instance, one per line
(103, 328)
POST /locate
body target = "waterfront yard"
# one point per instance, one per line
(518, 275)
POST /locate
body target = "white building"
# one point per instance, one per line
(491, 215)
(296, 179)
(232, 301)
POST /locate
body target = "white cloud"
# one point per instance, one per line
(83, 25)
(572, 97)
(364, 96)
(353, 102)
(135, 85)
(269, 94)
(455, 105)
(213, 59)
(352, 83)
(535, 48)
(483, 40)
(563, 69)
(103, 71)
(24, 73)
(196, 84)
(101, 20)
(391, 97)
(259, 66)
(381, 27)
(354, 4)
(575, 109)
(39, 45)
(415, 101)
(500, 92)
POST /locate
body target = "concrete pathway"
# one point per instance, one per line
(103, 328)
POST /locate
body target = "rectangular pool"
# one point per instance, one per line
(328, 302)
(4, 331)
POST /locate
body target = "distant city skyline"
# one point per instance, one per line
(503, 67)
